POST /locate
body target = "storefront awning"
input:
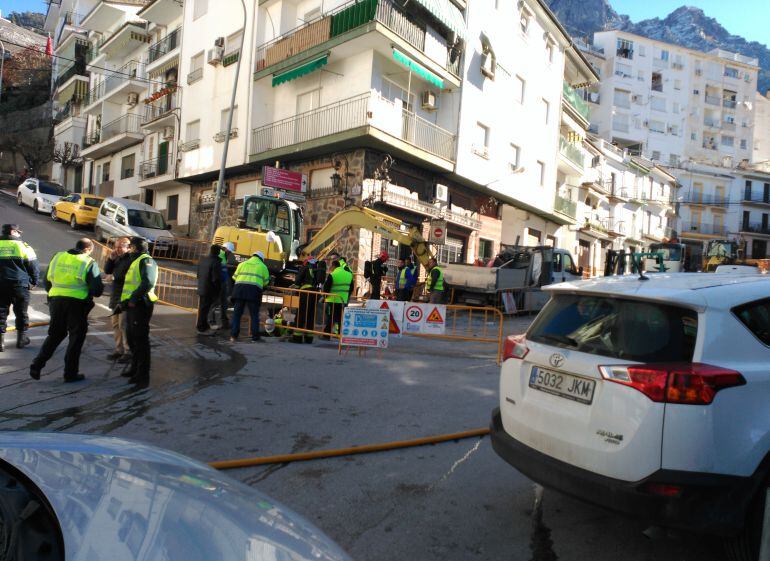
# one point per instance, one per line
(417, 68)
(448, 14)
(299, 71)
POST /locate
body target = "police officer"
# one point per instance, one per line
(307, 281)
(138, 301)
(338, 285)
(406, 278)
(18, 271)
(435, 282)
(250, 278)
(72, 281)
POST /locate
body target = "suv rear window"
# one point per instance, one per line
(756, 317)
(617, 328)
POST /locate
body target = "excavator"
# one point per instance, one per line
(725, 252)
(273, 225)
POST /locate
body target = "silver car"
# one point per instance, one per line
(66, 497)
(124, 217)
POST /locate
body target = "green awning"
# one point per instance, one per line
(448, 14)
(417, 68)
(299, 71)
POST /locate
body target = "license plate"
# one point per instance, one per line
(563, 385)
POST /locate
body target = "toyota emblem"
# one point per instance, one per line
(556, 360)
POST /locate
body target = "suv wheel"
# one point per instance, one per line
(53, 215)
(35, 206)
(745, 546)
(73, 222)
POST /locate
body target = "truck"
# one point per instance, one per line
(518, 270)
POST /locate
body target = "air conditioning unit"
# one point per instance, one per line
(442, 193)
(132, 99)
(168, 133)
(429, 101)
(696, 92)
(214, 56)
(219, 42)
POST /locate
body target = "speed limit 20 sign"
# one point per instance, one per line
(437, 232)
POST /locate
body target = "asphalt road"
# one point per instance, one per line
(213, 400)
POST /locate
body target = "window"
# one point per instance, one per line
(656, 84)
(728, 141)
(321, 179)
(519, 86)
(233, 45)
(625, 49)
(308, 101)
(524, 22)
(656, 155)
(623, 70)
(515, 157)
(546, 111)
(664, 55)
(172, 207)
(200, 8)
(677, 84)
(485, 249)
(673, 160)
(541, 171)
(481, 140)
(756, 317)
(675, 107)
(731, 72)
(549, 50)
(451, 252)
(622, 99)
(657, 126)
(127, 166)
(193, 132)
(658, 103)
(640, 76)
(106, 171)
(642, 50)
(392, 91)
(224, 114)
(196, 68)
(674, 129)
(744, 144)
(693, 136)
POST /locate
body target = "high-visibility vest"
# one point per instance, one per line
(16, 249)
(222, 257)
(67, 274)
(134, 280)
(345, 266)
(439, 284)
(340, 291)
(401, 277)
(252, 271)
(308, 285)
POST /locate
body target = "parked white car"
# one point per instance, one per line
(649, 397)
(67, 496)
(40, 195)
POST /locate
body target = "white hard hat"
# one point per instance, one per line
(259, 254)
(229, 246)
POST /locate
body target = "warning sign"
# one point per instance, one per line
(365, 328)
(427, 319)
(437, 232)
(396, 313)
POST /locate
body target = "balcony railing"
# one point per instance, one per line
(756, 199)
(368, 109)
(128, 123)
(756, 228)
(161, 107)
(614, 226)
(571, 152)
(713, 123)
(619, 126)
(347, 17)
(157, 167)
(705, 229)
(131, 71)
(576, 101)
(729, 103)
(565, 207)
(77, 68)
(462, 220)
(706, 199)
(713, 100)
(392, 197)
(165, 45)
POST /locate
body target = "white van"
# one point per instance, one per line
(124, 217)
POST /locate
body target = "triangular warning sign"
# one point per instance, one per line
(393, 328)
(435, 317)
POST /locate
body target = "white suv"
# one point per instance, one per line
(649, 397)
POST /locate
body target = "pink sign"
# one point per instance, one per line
(284, 179)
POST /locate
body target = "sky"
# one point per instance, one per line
(747, 18)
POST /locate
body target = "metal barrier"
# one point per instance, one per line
(179, 249)
(305, 311)
(177, 289)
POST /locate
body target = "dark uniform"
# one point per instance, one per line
(18, 271)
(72, 281)
(339, 285)
(138, 299)
(306, 280)
(379, 270)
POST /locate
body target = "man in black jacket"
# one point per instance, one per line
(18, 271)
(379, 270)
(209, 286)
(117, 265)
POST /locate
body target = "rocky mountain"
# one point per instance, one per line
(686, 26)
(33, 21)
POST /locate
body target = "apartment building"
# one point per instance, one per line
(672, 104)
(762, 129)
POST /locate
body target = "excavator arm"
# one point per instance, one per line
(371, 220)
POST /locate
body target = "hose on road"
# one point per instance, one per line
(365, 449)
(33, 324)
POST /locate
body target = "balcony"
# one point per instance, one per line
(707, 199)
(756, 228)
(348, 17)
(576, 102)
(711, 123)
(156, 172)
(614, 227)
(689, 228)
(462, 220)
(565, 206)
(121, 133)
(713, 100)
(127, 79)
(710, 144)
(165, 45)
(571, 153)
(756, 199)
(77, 68)
(158, 113)
(365, 115)
(392, 196)
(729, 103)
(619, 126)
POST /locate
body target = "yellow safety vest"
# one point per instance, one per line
(340, 291)
(10, 249)
(439, 284)
(134, 280)
(307, 285)
(253, 271)
(67, 274)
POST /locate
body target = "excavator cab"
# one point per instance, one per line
(720, 252)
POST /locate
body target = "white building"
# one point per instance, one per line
(671, 103)
(762, 129)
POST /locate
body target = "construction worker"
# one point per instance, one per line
(18, 271)
(406, 278)
(138, 301)
(228, 265)
(435, 283)
(73, 280)
(209, 286)
(306, 280)
(338, 285)
(251, 277)
(379, 270)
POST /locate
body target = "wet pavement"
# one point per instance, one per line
(213, 400)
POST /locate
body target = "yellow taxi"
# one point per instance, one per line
(79, 209)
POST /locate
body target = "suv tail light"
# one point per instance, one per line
(515, 346)
(686, 383)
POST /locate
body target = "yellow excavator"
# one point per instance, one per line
(273, 225)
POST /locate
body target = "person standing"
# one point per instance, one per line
(209, 286)
(338, 284)
(228, 265)
(307, 281)
(117, 265)
(435, 283)
(18, 272)
(251, 277)
(72, 281)
(138, 299)
(379, 270)
(406, 278)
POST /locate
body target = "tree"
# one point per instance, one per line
(68, 156)
(36, 150)
(26, 80)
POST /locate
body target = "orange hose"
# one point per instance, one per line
(34, 324)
